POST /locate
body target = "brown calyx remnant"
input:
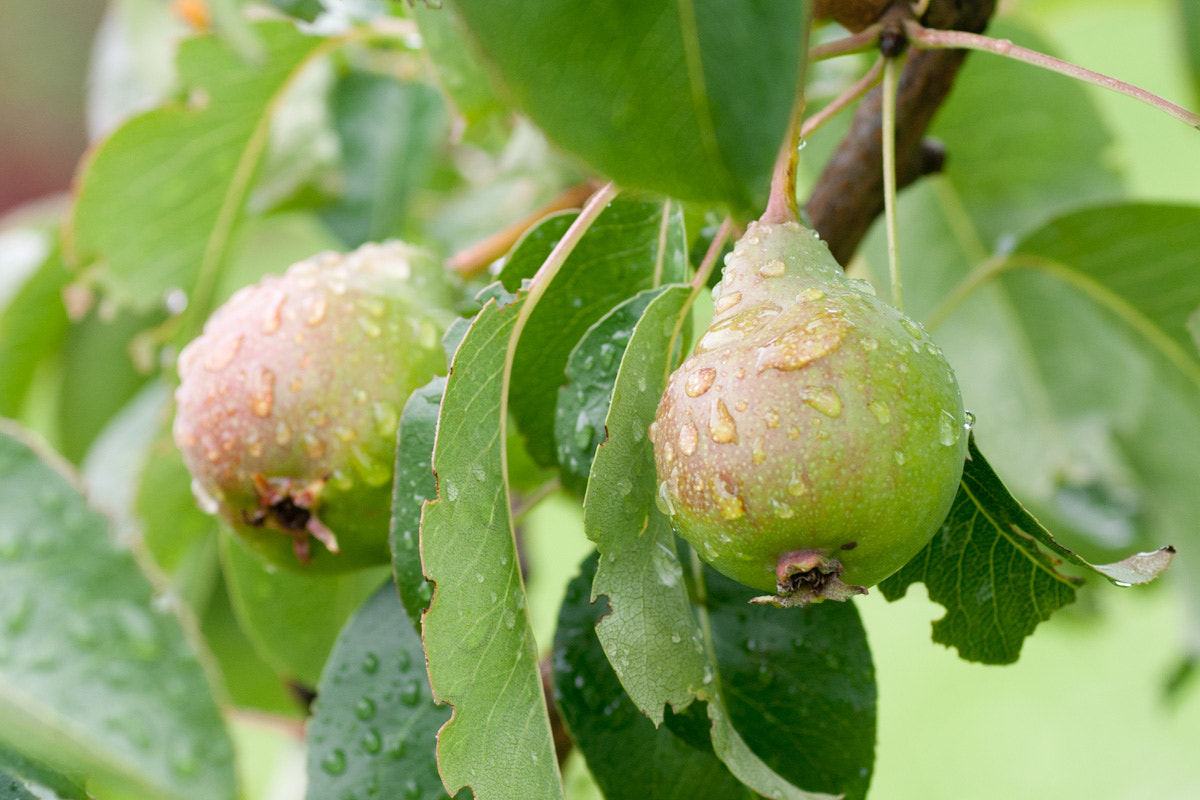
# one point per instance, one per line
(289, 506)
(808, 576)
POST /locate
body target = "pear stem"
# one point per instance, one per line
(931, 39)
(891, 81)
(781, 203)
(852, 93)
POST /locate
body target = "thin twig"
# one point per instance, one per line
(891, 82)
(860, 42)
(477, 257)
(846, 98)
(931, 39)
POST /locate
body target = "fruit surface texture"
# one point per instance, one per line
(289, 401)
(814, 441)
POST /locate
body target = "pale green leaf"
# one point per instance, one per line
(160, 199)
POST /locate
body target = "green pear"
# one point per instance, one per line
(814, 441)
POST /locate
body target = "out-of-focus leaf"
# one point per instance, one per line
(390, 133)
(799, 686)
(52, 784)
(306, 10)
(651, 635)
(99, 376)
(12, 789)
(1011, 177)
(413, 485)
(33, 320)
(1189, 14)
(461, 75)
(629, 758)
(96, 676)
(481, 653)
(374, 724)
(291, 618)
(990, 568)
(688, 99)
(632, 246)
(591, 372)
(160, 199)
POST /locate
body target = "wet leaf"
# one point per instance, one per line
(996, 570)
(632, 246)
(480, 647)
(414, 484)
(629, 758)
(591, 372)
(96, 673)
(374, 724)
(799, 685)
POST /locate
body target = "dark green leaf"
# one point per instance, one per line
(152, 229)
(306, 10)
(986, 567)
(374, 724)
(799, 685)
(292, 618)
(390, 132)
(414, 484)
(96, 674)
(687, 99)
(591, 372)
(629, 758)
(481, 653)
(632, 246)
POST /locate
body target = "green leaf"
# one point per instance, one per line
(629, 758)
(651, 635)
(799, 686)
(481, 653)
(150, 229)
(374, 723)
(632, 246)
(986, 567)
(414, 484)
(33, 320)
(1190, 26)
(688, 99)
(292, 618)
(390, 133)
(96, 674)
(591, 372)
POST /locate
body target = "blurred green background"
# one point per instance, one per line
(1084, 713)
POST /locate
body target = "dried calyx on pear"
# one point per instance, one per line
(814, 441)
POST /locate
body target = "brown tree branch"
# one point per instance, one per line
(849, 194)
